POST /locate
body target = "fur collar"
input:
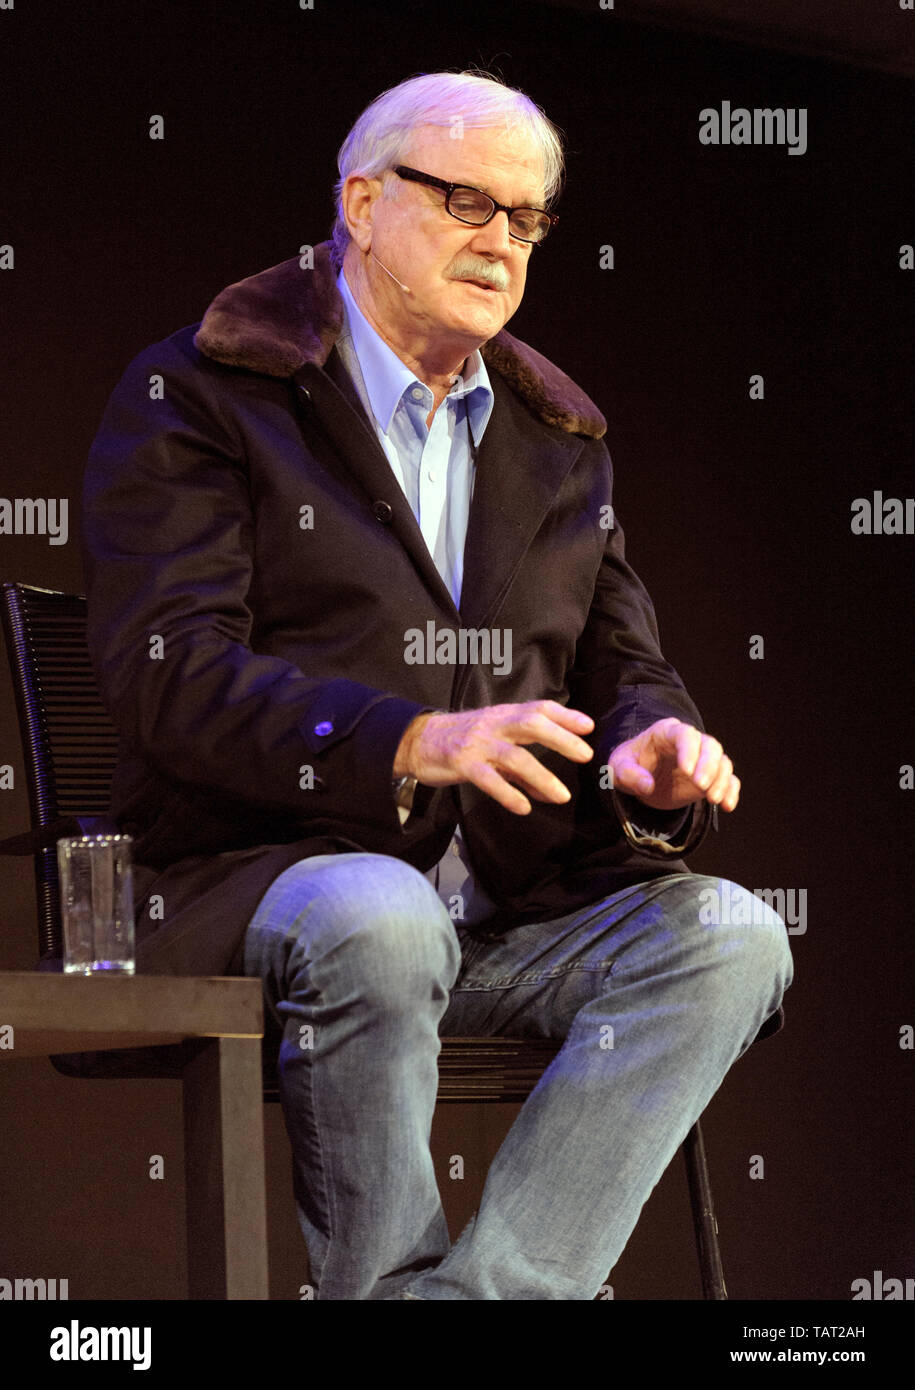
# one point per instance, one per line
(277, 321)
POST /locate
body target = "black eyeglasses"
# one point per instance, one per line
(475, 207)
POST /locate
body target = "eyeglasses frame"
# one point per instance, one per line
(639, 840)
(403, 171)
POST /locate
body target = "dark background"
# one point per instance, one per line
(729, 261)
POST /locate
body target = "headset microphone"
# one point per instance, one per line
(406, 289)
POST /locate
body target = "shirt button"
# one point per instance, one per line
(431, 475)
(417, 393)
(455, 849)
(325, 727)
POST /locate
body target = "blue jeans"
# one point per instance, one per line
(363, 970)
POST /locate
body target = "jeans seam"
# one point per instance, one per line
(329, 1189)
(326, 1186)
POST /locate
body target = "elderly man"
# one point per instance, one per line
(397, 733)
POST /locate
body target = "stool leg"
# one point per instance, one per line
(704, 1223)
(224, 1171)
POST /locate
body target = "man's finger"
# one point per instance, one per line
(688, 743)
(519, 766)
(543, 729)
(574, 719)
(485, 776)
(707, 763)
(722, 782)
(627, 774)
(732, 796)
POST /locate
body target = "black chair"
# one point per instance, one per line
(70, 750)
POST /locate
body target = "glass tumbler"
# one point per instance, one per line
(96, 899)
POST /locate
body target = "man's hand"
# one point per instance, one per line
(483, 746)
(672, 764)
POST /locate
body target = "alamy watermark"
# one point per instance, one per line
(881, 1289)
(761, 125)
(35, 516)
(34, 1290)
(464, 646)
(883, 516)
(81, 1343)
(730, 905)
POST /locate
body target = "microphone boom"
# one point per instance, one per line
(406, 289)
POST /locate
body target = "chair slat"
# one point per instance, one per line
(70, 742)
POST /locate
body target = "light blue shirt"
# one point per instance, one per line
(435, 468)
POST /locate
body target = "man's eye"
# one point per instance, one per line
(526, 222)
(468, 205)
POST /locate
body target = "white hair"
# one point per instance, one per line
(455, 99)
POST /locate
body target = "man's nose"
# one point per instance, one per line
(494, 237)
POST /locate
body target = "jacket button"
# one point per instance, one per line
(325, 727)
(306, 393)
(383, 511)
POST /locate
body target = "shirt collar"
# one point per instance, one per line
(387, 378)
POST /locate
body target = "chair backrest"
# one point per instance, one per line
(69, 741)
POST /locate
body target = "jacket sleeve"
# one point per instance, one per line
(168, 532)
(622, 679)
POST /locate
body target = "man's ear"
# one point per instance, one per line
(357, 201)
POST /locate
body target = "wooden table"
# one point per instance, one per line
(53, 1014)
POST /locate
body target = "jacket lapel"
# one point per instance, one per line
(343, 421)
(520, 468)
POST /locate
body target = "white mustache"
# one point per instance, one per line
(467, 267)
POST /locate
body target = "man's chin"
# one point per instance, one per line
(472, 335)
(480, 321)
